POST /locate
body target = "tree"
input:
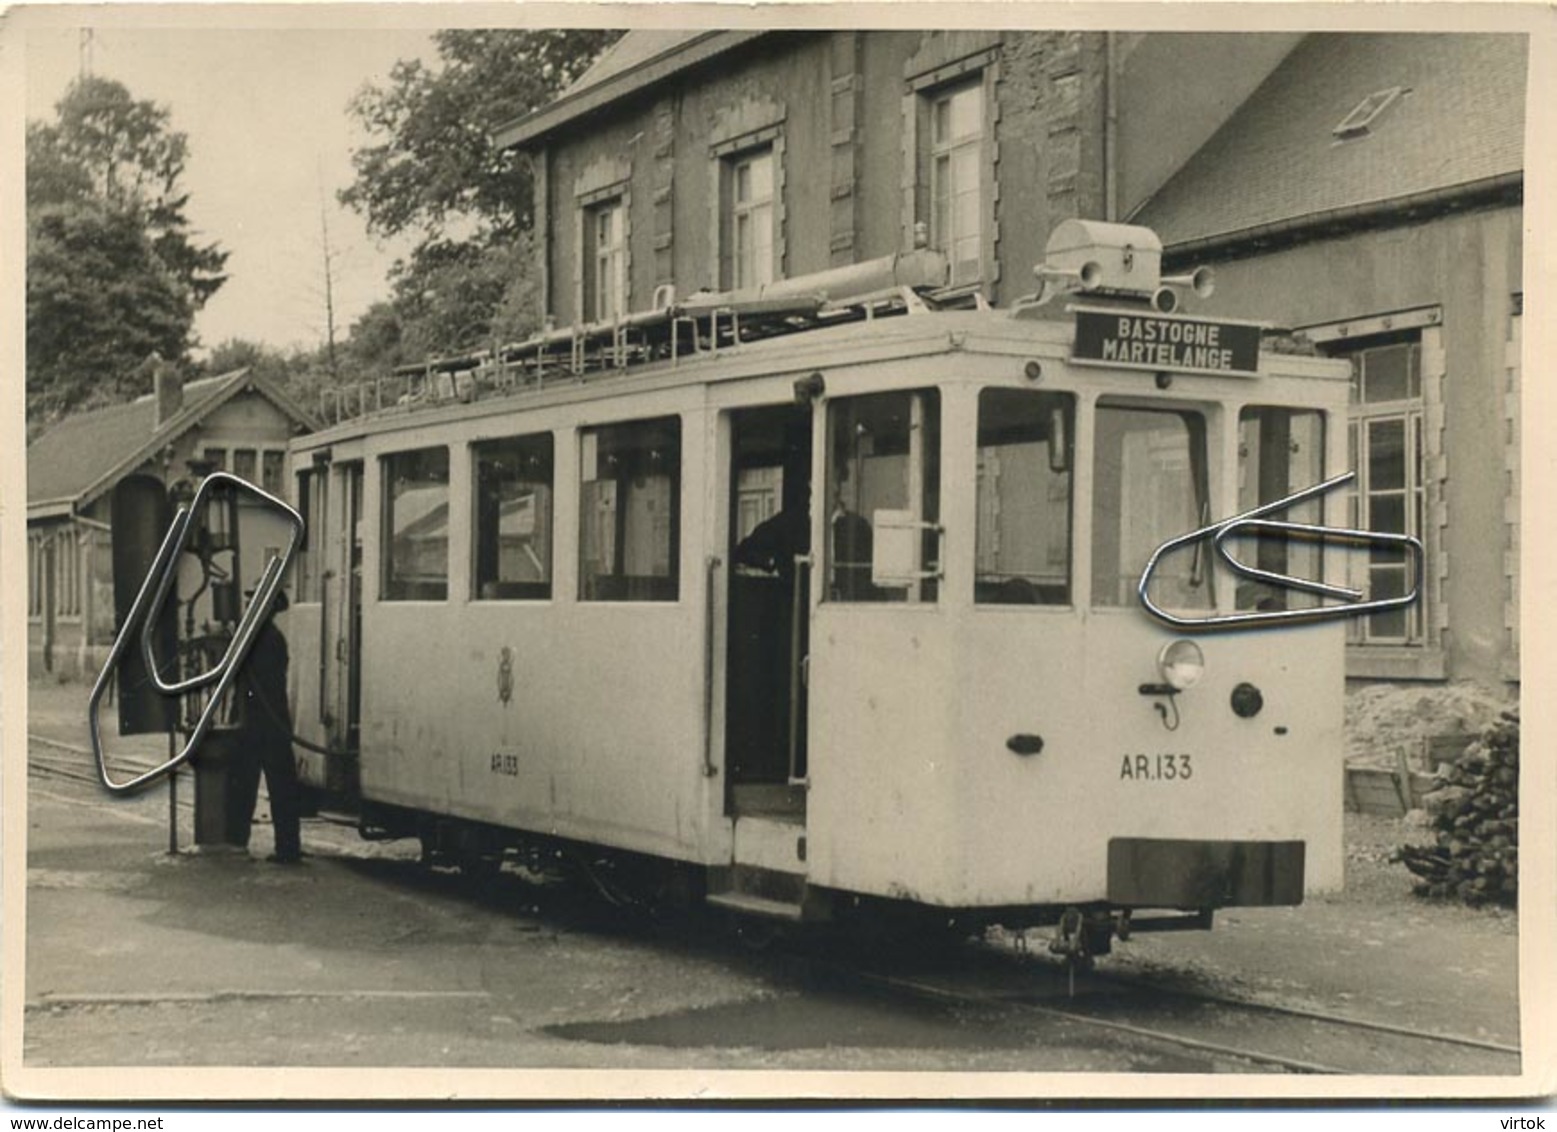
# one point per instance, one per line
(113, 267)
(434, 167)
(99, 302)
(433, 170)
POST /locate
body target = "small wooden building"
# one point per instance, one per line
(236, 421)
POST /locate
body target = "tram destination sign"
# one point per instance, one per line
(1138, 340)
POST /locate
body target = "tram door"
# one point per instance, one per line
(770, 527)
(344, 624)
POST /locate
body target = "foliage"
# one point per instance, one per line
(432, 169)
(462, 295)
(113, 269)
(99, 302)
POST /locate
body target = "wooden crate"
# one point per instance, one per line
(1373, 791)
(1387, 793)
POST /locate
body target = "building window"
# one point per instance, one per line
(416, 519)
(513, 499)
(216, 457)
(271, 465)
(747, 213)
(956, 161)
(35, 562)
(1149, 485)
(1385, 447)
(1280, 451)
(605, 260)
(630, 511)
(1366, 112)
(759, 494)
(67, 587)
(1022, 552)
(883, 474)
(245, 464)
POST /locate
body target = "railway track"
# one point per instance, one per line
(57, 759)
(1223, 1029)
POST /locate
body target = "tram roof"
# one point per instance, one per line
(922, 335)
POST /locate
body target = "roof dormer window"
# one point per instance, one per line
(1366, 112)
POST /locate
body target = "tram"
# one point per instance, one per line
(822, 601)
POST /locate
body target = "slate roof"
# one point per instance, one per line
(87, 452)
(635, 64)
(637, 46)
(1277, 159)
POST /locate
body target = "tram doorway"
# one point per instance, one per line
(341, 636)
(770, 577)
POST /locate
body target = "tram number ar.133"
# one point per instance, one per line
(1156, 768)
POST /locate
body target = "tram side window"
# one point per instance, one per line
(1024, 498)
(513, 499)
(630, 511)
(883, 477)
(416, 518)
(1279, 451)
(1149, 484)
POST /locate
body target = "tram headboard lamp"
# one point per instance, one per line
(1119, 260)
(809, 390)
(1181, 664)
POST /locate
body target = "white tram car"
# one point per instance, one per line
(845, 618)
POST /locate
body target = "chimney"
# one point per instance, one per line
(167, 389)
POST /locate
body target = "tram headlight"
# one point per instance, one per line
(1181, 663)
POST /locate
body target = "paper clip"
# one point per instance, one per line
(153, 595)
(1254, 522)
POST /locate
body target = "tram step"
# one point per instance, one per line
(747, 904)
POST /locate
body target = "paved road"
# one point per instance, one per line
(360, 957)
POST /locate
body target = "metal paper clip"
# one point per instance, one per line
(153, 595)
(1254, 522)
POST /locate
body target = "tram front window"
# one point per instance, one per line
(1280, 451)
(1149, 484)
(1024, 497)
(883, 467)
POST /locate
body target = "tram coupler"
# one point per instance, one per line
(1081, 936)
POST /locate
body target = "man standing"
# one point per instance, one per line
(265, 743)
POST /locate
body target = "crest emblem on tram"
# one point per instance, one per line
(505, 674)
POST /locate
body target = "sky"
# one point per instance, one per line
(265, 112)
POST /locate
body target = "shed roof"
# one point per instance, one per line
(87, 453)
(1278, 159)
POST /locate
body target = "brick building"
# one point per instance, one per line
(1364, 188)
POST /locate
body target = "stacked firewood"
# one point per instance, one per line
(1475, 814)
